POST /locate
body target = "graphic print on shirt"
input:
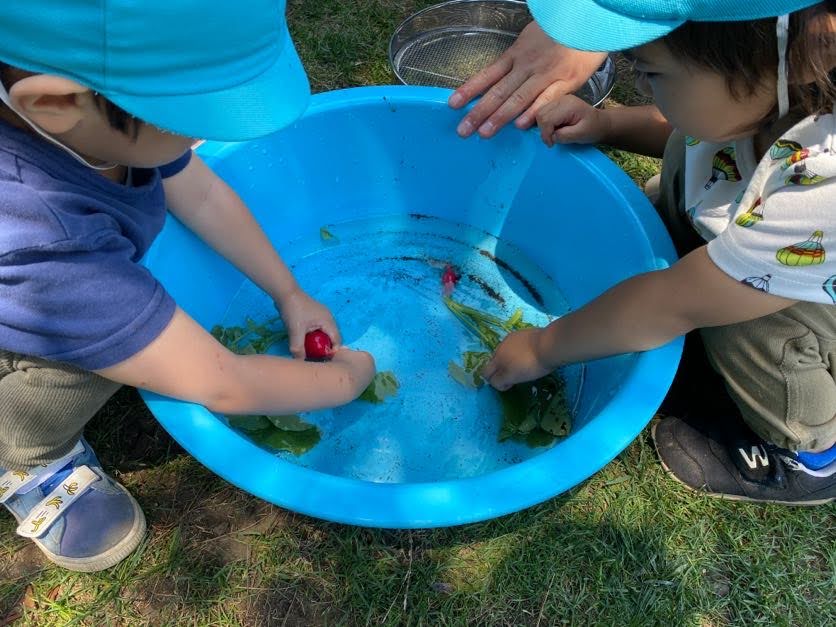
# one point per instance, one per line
(810, 252)
(691, 141)
(829, 287)
(751, 217)
(802, 176)
(796, 157)
(783, 148)
(773, 230)
(691, 212)
(758, 282)
(723, 167)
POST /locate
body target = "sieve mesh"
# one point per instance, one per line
(448, 58)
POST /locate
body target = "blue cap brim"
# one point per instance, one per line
(258, 107)
(585, 25)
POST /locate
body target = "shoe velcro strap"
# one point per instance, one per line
(22, 481)
(54, 504)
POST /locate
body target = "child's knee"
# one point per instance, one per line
(782, 376)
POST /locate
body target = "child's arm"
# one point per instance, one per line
(638, 314)
(187, 363)
(570, 120)
(210, 208)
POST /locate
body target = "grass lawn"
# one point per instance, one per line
(627, 547)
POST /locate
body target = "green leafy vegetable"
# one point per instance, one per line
(251, 339)
(475, 361)
(296, 442)
(383, 385)
(290, 423)
(535, 413)
(279, 433)
(249, 423)
(327, 236)
(464, 377)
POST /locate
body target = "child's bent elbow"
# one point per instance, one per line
(225, 403)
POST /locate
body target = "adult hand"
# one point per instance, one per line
(533, 71)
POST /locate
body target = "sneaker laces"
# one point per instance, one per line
(791, 460)
(758, 460)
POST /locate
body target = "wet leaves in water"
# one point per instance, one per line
(280, 433)
(250, 339)
(326, 236)
(535, 413)
(383, 385)
(296, 442)
(462, 376)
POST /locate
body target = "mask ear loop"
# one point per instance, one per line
(4, 96)
(782, 32)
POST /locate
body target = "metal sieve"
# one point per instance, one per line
(445, 44)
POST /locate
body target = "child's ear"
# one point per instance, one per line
(51, 102)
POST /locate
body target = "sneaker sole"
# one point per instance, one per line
(729, 497)
(112, 556)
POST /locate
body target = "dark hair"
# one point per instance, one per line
(118, 118)
(746, 52)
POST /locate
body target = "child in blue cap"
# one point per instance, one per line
(101, 103)
(748, 192)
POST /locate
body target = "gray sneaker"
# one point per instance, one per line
(722, 457)
(77, 515)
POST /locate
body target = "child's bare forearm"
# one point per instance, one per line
(212, 210)
(642, 130)
(187, 363)
(264, 384)
(632, 316)
(651, 309)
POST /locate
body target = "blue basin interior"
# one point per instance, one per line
(382, 167)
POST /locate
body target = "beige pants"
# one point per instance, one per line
(780, 369)
(44, 406)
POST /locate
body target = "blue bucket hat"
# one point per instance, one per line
(610, 25)
(216, 69)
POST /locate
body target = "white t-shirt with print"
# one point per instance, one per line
(772, 224)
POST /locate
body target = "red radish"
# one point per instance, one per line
(318, 346)
(449, 278)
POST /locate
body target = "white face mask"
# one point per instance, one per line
(782, 33)
(4, 96)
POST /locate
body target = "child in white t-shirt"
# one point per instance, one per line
(748, 192)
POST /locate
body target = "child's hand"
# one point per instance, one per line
(516, 359)
(302, 314)
(570, 120)
(358, 366)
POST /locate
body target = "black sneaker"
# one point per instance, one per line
(727, 460)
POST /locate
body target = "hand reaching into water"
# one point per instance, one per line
(518, 358)
(302, 314)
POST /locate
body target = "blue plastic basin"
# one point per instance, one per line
(390, 154)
